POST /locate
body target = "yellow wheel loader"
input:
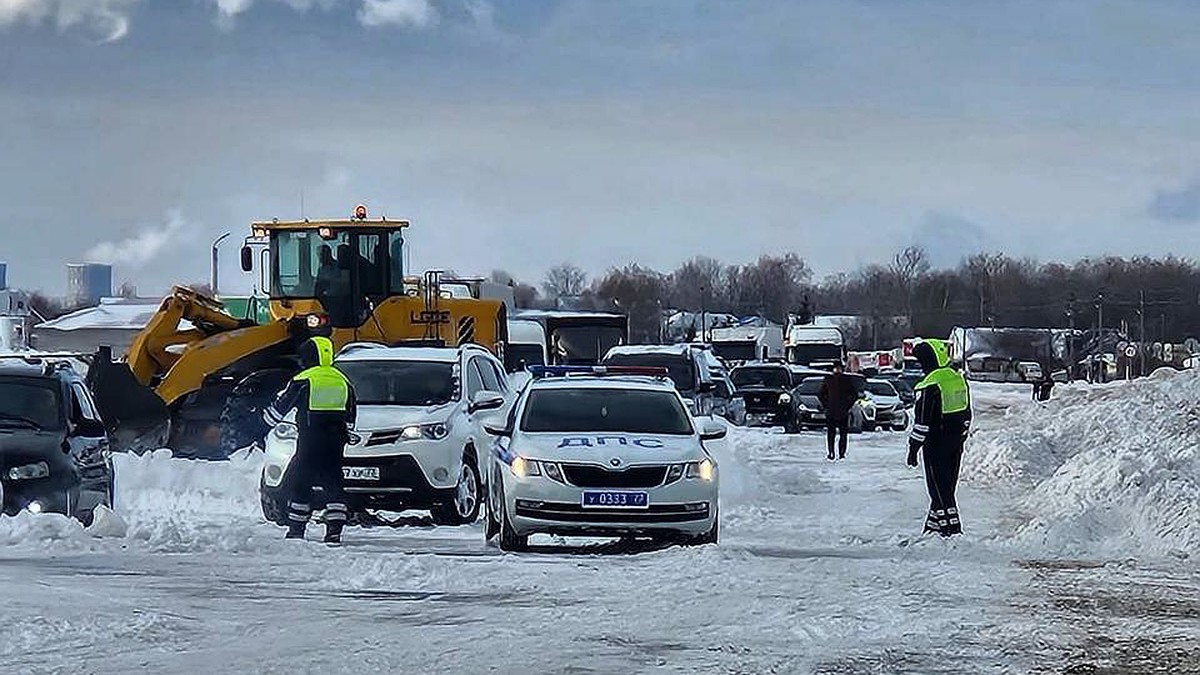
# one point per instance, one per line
(196, 379)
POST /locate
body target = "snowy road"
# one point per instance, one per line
(818, 571)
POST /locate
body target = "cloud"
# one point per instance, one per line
(403, 13)
(143, 247)
(1179, 205)
(106, 20)
(948, 238)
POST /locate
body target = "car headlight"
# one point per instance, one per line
(785, 397)
(433, 432)
(674, 473)
(523, 468)
(29, 471)
(705, 470)
(285, 431)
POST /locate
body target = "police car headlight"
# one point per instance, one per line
(29, 471)
(785, 398)
(704, 470)
(674, 473)
(523, 468)
(552, 471)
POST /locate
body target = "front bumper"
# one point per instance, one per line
(892, 418)
(537, 504)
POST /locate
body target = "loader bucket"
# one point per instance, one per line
(137, 418)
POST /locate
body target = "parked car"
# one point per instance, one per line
(728, 402)
(890, 412)
(810, 412)
(54, 448)
(766, 389)
(418, 442)
(687, 366)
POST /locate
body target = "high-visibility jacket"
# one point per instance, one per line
(321, 396)
(943, 406)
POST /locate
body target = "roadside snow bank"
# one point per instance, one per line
(1111, 470)
(185, 505)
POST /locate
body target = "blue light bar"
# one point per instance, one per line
(564, 371)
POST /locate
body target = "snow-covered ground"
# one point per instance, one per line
(1080, 556)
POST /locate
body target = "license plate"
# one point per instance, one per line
(616, 500)
(360, 472)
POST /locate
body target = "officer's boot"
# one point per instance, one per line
(295, 530)
(333, 532)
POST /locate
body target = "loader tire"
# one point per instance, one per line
(241, 417)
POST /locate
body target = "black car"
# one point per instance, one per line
(54, 449)
(767, 389)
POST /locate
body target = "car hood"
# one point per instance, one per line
(593, 448)
(387, 417)
(18, 446)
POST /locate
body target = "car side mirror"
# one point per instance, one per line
(485, 400)
(247, 259)
(501, 432)
(712, 431)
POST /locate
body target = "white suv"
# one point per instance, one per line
(419, 441)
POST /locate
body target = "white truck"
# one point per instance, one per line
(526, 345)
(814, 346)
(742, 344)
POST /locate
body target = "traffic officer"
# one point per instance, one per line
(325, 410)
(942, 419)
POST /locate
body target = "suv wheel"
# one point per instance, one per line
(468, 497)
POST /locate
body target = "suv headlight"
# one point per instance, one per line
(285, 431)
(433, 432)
(785, 397)
(29, 471)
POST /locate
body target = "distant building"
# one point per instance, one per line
(87, 283)
(113, 322)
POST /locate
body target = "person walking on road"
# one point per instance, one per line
(942, 420)
(837, 396)
(325, 408)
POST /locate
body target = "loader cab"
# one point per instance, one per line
(337, 268)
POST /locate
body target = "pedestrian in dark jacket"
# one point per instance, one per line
(325, 410)
(837, 395)
(942, 420)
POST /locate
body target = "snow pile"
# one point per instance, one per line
(42, 528)
(1111, 470)
(185, 505)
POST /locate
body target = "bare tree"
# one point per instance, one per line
(907, 268)
(639, 293)
(564, 281)
(699, 283)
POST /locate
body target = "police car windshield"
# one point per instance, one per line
(412, 383)
(30, 402)
(605, 410)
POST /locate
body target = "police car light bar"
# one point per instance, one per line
(564, 371)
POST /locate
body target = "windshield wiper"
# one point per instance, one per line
(8, 420)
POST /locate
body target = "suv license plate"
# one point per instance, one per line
(616, 500)
(360, 473)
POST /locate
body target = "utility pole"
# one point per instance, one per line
(1142, 333)
(704, 314)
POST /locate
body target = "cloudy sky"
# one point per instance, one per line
(521, 133)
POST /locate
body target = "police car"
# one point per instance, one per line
(602, 451)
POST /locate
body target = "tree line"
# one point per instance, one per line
(902, 297)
